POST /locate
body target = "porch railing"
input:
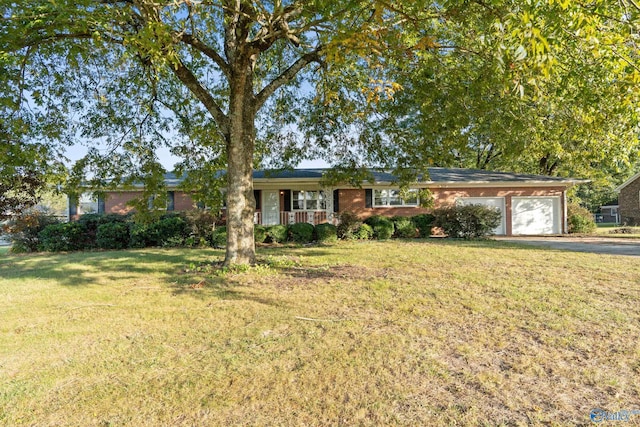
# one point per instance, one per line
(311, 217)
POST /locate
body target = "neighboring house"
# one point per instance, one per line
(629, 201)
(608, 214)
(530, 204)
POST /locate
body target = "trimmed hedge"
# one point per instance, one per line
(404, 228)
(113, 235)
(277, 233)
(326, 233)
(219, 237)
(364, 232)
(467, 222)
(382, 227)
(67, 236)
(424, 223)
(301, 232)
(259, 233)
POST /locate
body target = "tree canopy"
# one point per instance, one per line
(395, 84)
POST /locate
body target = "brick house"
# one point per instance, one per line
(629, 201)
(530, 204)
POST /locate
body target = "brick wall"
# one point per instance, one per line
(629, 203)
(116, 201)
(353, 200)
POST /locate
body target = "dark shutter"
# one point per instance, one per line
(287, 200)
(368, 198)
(101, 206)
(257, 194)
(73, 206)
(336, 201)
(171, 200)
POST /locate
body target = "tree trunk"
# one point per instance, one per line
(240, 147)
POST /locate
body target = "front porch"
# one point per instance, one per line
(307, 204)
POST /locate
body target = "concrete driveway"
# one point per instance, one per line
(598, 245)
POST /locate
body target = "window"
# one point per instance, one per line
(308, 201)
(391, 198)
(171, 200)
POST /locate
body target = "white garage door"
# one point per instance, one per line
(493, 202)
(535, 215)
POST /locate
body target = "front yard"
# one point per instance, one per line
(365, 333)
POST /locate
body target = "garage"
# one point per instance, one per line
(492, 202)
(535, 215)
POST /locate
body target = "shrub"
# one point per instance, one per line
(301, 232)
(471, 221)
(91, 222)
(382, 227)
(143, 235)
(219, 237)
(260, 233)
(67, 236)
(404, 228)
(579, 219)
(277, 233)
(113, 235)
(200, 224)
(25, 229)
(364, 232)
(326, 233)
(171, 230)
(348, 226)
(424, 223)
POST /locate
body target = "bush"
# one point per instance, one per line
(277, 233)
(382, 227)
(171, 230)
(364, 232)
(91, 222)
(113, 235)
(424, 223)
(404, 228)
(143, 235)
(200, 224)
(301, 232)
(219, 237)
(579, 219)
(25, 229)
(326, 233)
(348, 226)
(67, 236)
(467, 222)
(260, 233)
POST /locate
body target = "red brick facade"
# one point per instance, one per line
(354, 200)
(629, 202)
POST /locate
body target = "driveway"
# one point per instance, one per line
(598, 245)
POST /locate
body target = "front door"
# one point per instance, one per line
(270, 207)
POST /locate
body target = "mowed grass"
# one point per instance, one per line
(365, 333)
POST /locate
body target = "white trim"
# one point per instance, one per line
(402, 205)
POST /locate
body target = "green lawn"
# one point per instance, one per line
(365, 333)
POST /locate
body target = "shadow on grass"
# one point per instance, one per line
(84, 268)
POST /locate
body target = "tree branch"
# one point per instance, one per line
(185, 75)
(208, 51)
(286, 76)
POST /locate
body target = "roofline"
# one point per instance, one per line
(627, 182)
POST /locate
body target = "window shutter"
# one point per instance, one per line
(101, 207)
(73, 206)
(171, 200)
(368, 198)
(336, 201)
(287, 200)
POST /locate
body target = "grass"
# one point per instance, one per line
(608, 230)
(364, 333)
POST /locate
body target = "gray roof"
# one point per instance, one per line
(436, 176)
